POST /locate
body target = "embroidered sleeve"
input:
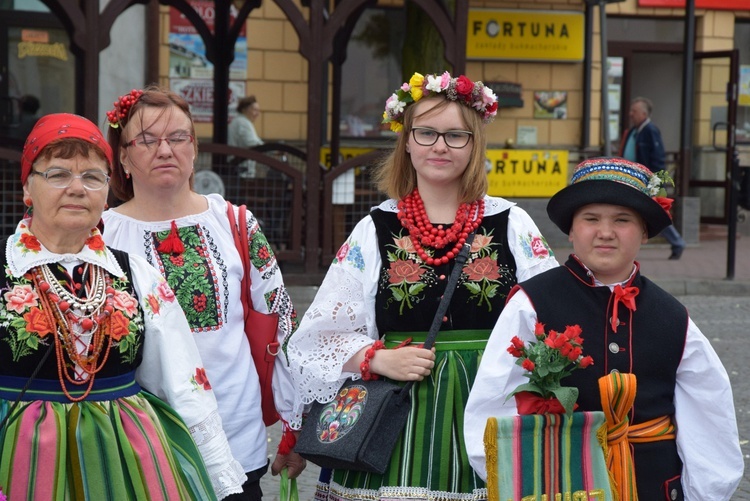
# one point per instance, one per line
(339, 322)
(270, 295)
(530, 249)
(173, 371)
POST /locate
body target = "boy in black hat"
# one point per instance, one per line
(631, 326)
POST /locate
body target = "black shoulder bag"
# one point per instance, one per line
(360, 427)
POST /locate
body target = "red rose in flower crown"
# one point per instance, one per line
(548, 360)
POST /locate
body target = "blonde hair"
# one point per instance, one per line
(396, 176)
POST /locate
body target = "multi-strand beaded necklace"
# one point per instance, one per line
(413, 216)
(91, 315)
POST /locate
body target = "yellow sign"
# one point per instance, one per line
(344, 153)
(31, 49)
(527, 173)
(529, 35)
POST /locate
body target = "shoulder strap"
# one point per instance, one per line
(239, 232)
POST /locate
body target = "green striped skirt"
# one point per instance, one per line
(126, 445)
(430, 460)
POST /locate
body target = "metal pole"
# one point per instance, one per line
(605, 82)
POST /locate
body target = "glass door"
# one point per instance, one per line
(715, 118)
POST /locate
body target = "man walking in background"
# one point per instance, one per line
(643, 144)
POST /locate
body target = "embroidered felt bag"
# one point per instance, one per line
(260, 328)
(359, 429)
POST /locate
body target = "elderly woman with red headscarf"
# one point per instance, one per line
(103, 394)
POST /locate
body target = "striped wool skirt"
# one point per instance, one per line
(121, 443)
(430, 460)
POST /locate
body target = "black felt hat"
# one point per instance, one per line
(612, 181)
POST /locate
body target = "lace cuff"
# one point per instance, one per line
(225, 472)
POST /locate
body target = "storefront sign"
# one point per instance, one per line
(524, 35)
(699, 4)
(527, 173)
(509, 95)
(31, 49)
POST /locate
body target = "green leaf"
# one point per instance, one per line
(23, 334)
(398, 294)
(491, 290)
(473, 287)
(531, 387)
(32, 342)
(415, 289)
(567, 397)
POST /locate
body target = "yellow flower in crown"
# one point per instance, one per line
(415, 85)
(474, 95)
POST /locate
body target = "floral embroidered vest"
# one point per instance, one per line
(24, 335)
(409, 290)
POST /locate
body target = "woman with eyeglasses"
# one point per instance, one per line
(103, 394)
(384, 287)
(188, 238)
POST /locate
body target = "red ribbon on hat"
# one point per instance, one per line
(626, 296)
(60, 126)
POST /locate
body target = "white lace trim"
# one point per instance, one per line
(225, 472)
(337, 492)
(339, 329)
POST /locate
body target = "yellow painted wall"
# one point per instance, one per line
(277, 74)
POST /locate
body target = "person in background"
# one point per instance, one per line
(388, 277)
(630, 326)
(643, 144)
(103, 394)
(188, 238)
(242, 134)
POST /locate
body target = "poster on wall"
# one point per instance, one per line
(189, 68)
(551, 104)
(744, 96)
(200, 94)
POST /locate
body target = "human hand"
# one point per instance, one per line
(404, 364)
(294, 463)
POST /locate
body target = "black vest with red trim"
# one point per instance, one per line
(648, 342)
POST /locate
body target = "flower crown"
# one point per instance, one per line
(122, 107)
(460, 89)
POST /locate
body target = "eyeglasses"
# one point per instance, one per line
(152, 142)
(57, 177)
(457, 139)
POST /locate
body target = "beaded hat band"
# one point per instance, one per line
(614, 181)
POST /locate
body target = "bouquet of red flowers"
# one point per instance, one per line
(548, 360)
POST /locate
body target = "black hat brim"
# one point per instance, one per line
(564, 204)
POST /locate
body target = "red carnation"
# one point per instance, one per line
(464, 86)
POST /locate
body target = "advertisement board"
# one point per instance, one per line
(527, 173)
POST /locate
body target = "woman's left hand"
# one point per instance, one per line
(294, 463)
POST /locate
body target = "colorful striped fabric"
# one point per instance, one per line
(130, 448)
(552, 455)
(430, 460)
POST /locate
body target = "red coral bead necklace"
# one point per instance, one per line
(413, 216)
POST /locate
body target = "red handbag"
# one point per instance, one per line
(260, 328)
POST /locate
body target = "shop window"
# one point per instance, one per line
(372, 65)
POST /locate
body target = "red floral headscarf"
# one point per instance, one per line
(60, 126)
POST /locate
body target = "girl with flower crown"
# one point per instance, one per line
(103, 394)
(386, 281)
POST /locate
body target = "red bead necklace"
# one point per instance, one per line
(413, 217)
